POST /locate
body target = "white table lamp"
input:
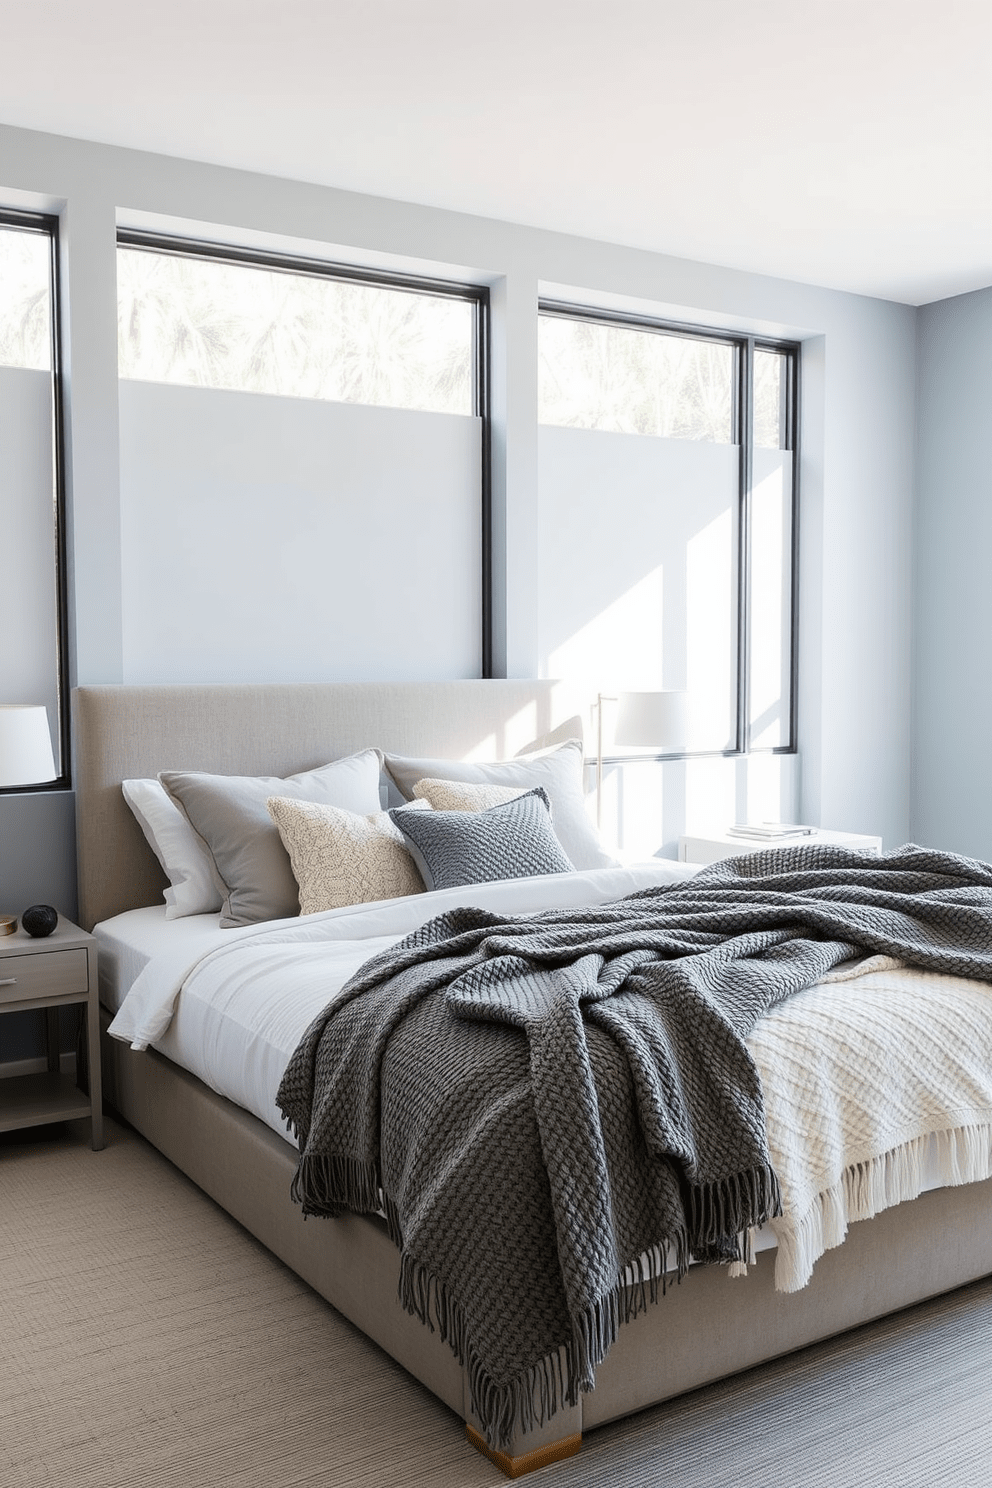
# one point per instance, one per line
(655, 720)
(26, 756)
(646, 720)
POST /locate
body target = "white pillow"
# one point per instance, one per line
(185, 862)
(340, 858)
(558, 770)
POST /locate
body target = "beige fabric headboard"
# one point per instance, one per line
(123, 733)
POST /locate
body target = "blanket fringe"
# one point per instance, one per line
(747, 1257)
(540, 1391)
(501, 1407)
(962, 1155)
(331, 1185)
(554, 1382)
(647, 1278)
(729, 1207)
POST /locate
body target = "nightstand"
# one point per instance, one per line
(58, 970)
(713, 846)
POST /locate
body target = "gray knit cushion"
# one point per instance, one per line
(558, 770)
(514, 840)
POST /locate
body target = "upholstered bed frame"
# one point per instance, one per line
(708, 1327)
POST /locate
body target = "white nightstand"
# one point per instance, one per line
(54, 971)
(716, 845)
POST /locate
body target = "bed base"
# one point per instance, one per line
(705, 1329)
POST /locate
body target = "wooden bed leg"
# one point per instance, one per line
(515, 1467)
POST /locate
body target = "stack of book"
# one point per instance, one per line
(769, 831)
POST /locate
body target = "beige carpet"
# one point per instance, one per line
(145, 1339)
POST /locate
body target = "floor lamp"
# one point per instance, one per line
(645, 720)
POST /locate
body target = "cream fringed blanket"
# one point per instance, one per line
(878, 1084)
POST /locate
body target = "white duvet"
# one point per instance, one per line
(878, 1080)
(231, 1005)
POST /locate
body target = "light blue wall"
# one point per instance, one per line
(857, 437)
(952, 724)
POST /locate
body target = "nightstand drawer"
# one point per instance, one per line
(43, 974)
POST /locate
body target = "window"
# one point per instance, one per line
(32, 668)
(308, 433)
(666, 536)
(223, 323)
(630, 381)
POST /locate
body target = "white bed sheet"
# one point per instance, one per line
(129, 941)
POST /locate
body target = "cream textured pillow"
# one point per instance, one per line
(464, 795)
(340, 858)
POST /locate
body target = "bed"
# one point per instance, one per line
(705, 1328)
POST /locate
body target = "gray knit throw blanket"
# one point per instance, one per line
(550, 1108)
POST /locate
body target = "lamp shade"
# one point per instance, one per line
(654, 720)
(25, 745)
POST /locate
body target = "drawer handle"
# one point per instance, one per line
(8, 981)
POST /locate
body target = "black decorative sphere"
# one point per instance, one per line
(40, 920)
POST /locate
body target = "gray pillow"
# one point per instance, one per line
(514, 840)
(229, 815)
(558, 771)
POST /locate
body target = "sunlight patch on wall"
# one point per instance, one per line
(623, 643)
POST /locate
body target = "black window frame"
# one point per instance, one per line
(47, 224)
(305, 266)
(744, 347)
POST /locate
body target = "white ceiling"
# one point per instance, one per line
(840, 142)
